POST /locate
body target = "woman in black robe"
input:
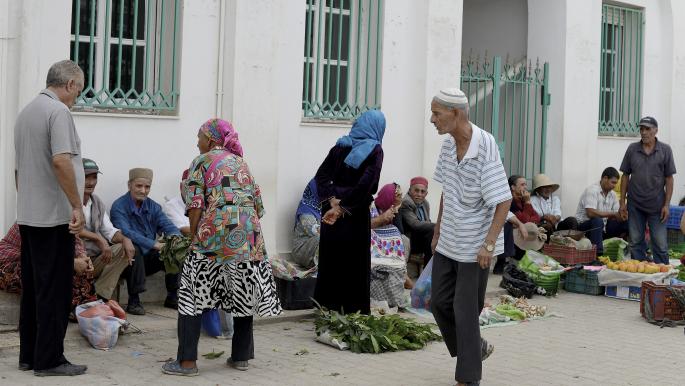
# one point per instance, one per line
(346, 181)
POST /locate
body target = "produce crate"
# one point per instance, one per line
(583, 281)
(674, 215)
(296, 294)
(623, 292)
(550, 283)
(664, 305)
(569, 255)
(675, 237)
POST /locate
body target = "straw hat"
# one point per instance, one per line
(540, 180)
(536, 237)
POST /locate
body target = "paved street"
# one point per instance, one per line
(593, 341)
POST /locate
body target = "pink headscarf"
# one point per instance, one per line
(385, 197)
(223, 133)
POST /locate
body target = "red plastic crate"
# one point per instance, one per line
(569, 255)
(664, 305)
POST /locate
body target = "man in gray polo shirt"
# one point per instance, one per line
(647, 182)
(473, 208)
(50, 180)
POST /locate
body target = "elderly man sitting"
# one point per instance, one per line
(141, 219)
(175, 209)
(415, 213)
(548, 206)
(98, 234)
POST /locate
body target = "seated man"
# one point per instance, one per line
(548, 207)
(175, 209)
(141, 219)
(598, 211)
(98, 233)
(415, 214)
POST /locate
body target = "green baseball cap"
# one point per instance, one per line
(90, 167)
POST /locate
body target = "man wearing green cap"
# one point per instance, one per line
(109, 261)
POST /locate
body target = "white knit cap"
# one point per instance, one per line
(452, 97)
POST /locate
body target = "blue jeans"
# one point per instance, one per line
(595, 226)
(637, 221)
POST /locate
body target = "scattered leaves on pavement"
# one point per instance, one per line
(213, 355)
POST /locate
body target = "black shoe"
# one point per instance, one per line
(25, 366)
(66, 369)
(171, 303)
(135, 309)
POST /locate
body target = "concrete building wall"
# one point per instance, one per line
(498, 27)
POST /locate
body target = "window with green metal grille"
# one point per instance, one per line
(621, 70)
(128, 52)
(342, 58)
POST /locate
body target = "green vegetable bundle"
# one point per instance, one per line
(174, 252)
(371, 334)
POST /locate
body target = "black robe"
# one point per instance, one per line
(345, 247)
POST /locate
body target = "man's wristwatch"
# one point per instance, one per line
(490, 247)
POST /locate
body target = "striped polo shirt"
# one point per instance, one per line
(472, 189)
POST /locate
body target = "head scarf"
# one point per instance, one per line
(385, 197)
(223, 133)
(366, 133)
(309, 204)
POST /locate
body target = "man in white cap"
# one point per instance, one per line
(548, 206)
(473, 208)
(142, 220)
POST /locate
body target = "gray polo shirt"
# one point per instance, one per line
(648, 175)
(44, 128)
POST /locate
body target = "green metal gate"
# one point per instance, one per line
(510, 101)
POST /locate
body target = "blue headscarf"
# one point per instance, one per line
(309, 204)
(366, 133)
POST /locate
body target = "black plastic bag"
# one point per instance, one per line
(517, 283)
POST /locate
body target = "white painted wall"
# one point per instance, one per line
(576, 154)
(498, 27)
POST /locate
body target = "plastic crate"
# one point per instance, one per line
(570, 255)
(664, 305)
(296, 294)
(551, 283)
(583, 281)
(675, 237)
(674, 215)
(623, 292)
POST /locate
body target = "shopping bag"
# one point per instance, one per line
(97, 323)
(211, 322)
(421, 293)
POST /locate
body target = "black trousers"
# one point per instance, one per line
(146, 265)
(242, 345)
(421, 243)
(457, 298)
(47, 269)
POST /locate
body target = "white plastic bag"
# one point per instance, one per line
(326, 338)
(102, 332)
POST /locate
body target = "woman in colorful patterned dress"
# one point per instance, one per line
(227, 265)
(388, 249)
(10, 268)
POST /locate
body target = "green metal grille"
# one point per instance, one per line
(128, 52)
(621, 71)
(342, 58)
(510, 100)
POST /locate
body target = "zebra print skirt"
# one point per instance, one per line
(243, 288)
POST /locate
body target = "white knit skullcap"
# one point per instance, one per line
(452, 97)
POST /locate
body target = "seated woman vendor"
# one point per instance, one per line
(307, 228)
(10, 268)
(388, 248)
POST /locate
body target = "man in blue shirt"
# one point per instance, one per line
(142, 220)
